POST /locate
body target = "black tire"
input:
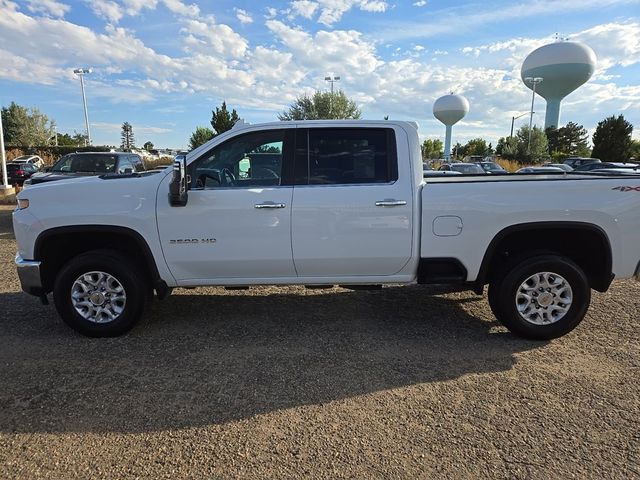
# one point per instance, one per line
(503, 295)
(120, 268)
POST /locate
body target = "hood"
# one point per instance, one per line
(53, 176)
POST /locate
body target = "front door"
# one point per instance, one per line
(237, 221)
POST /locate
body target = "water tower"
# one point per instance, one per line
(450, 109)
(562, 68)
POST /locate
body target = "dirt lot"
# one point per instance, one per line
(289, 383)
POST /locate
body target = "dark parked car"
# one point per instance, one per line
(601, 165)
(491, 167)
(464, 168)
(19, 172)
(575, 162)
(90, 163)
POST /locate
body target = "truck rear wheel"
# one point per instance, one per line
(100, 294)
(542, 297)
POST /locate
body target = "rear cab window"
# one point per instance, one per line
(344, 156)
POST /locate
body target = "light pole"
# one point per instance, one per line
(513, 119)
(5, 178)
(533, 81)
(331, 80)
(81, 72)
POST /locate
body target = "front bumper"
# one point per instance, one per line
(29, 275)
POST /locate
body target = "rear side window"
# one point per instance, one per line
(350, 156)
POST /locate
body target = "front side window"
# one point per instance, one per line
(252, 159)
(348, 156)
(86, 163)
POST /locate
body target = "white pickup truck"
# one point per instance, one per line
(326, 203)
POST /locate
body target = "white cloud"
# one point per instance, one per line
(331, 11)
(107, 9)
(137, 129)
(134, 7)
(420, 3)
(303, 8)
(206, 36)
(176, 6)
(271, 13)
(243, 16)
(48, 7)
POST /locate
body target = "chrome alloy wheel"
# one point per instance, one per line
(98, 297)
(544, 298)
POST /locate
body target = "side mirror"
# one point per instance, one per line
(178, 195)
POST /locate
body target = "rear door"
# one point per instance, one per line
(352, 211)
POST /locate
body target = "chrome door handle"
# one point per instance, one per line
(389, 202)
(269, 205)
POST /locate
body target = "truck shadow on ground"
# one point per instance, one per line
(199, 360)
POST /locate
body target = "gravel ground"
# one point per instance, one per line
(290, 383)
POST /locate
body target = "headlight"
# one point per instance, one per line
(23, 203)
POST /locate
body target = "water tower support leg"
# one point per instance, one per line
(447, 144)
(552, 117)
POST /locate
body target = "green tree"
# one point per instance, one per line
(457, 150)
(572, 139)
(322, 106)
(80, 139)
(431, 149)
(65, 140)
(612, 140)
(25, 127)
(222, 120)
(476, 146)
(531, 152)
(128, 140)
(635, 150)
(201, 136)
(147, 146)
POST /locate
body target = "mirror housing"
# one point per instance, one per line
(178, 195)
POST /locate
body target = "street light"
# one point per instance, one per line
(5, 178)
(81, 72)
(331, 80)
(513, 119)
(533, 81)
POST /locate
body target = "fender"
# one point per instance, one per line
(491, 251)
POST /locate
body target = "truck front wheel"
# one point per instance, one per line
(542, 297)
(99, 294)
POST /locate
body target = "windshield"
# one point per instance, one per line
(86, 163)
(468, 169)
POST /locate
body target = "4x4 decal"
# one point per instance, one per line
(627, 189)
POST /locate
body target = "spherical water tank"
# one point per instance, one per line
(563, 67)
(450, 109)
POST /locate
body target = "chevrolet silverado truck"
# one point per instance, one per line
(319, 203)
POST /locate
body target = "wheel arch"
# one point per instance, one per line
(587, 244)
(56, 246)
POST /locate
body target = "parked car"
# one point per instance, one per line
(614, 171)
(32, 159)
(345, 207)
(541, 170)
(464, 168)
(88, 164)
(491, 167)
(563, 166)
(600, 165)
(439, 173)
(17, 173)
(575, 162)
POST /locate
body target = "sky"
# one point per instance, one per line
(163, 65)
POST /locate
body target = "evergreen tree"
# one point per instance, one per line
(201, 136)
(612, 140)
(222, 120)
(127, 140)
